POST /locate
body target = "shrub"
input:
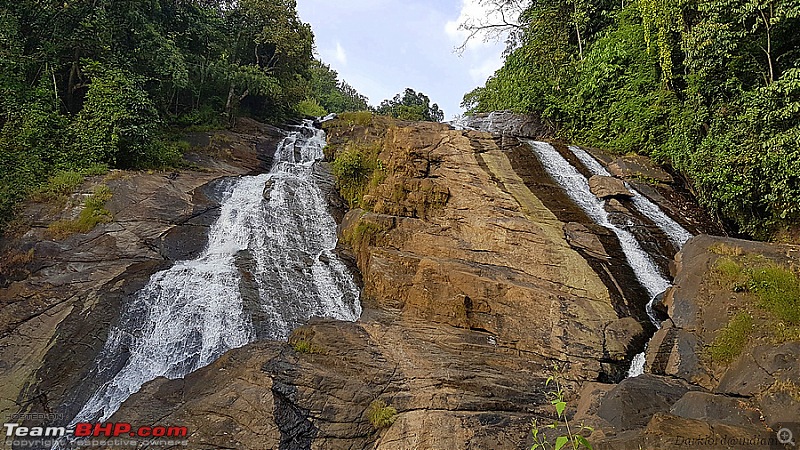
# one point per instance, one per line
(353, 168)
(304, 346)
(573, 436)
(381, 415)
(119, 123)
(311, 108)
(58, 186)
(362, 118)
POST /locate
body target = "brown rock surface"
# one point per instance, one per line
(638, 167)
(471, 291)
(736, 403)
(607, 187)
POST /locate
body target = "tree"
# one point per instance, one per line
(411, 105)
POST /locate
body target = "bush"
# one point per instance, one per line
(119, 123)
(58, 187)
(354, 168)
(381, 415)
(311, 108)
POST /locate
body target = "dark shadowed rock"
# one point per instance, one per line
(634, 401)
(638, 167)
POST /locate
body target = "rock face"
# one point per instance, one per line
(472, 291)
(734, 399)
(608, 187)
(60, 295)
(638, 167)
(478, 275)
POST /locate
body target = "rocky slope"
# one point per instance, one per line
(478, 275)
(59, 294)
(732, 393)
(472, 290)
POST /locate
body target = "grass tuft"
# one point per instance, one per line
(93, 213)
(381, 415)
(731, 340)
(304, 346)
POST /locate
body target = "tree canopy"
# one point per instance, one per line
(87, 83)
(411, 105)
(711, 87)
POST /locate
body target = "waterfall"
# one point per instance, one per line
(193, 312)
(577, 188)
(674, 231)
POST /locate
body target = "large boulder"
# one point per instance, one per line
(608, 187)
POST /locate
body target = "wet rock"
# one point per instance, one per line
(608, 187)
(55, 319)
(512, 124)
(638, 167)
(624, 338)
(578, 236)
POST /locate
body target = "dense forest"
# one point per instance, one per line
(711, 87)
(88, 85)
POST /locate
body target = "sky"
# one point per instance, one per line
(381, 47)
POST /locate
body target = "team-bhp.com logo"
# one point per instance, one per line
(101, 429)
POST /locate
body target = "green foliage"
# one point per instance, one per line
(353, 168)
(573, 438)
(333, 95)
(86, 83)
(311, 108)
(711, 87)
(118, 123)
(732, 339)
(58, 186)
(304, 346)
(362, 118)
(778, 290)
(411, 105)
(381, 415)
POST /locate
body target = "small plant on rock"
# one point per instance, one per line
(573, 439)
(381, 415)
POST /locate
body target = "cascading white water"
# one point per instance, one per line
(674, 231)
(188, 315)
(577, 188)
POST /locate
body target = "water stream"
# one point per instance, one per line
(275, 233)
(577, 188)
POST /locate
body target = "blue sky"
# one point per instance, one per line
(381, 47)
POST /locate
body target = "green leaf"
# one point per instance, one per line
(560, 406)
(560, 442)
(583, 441)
